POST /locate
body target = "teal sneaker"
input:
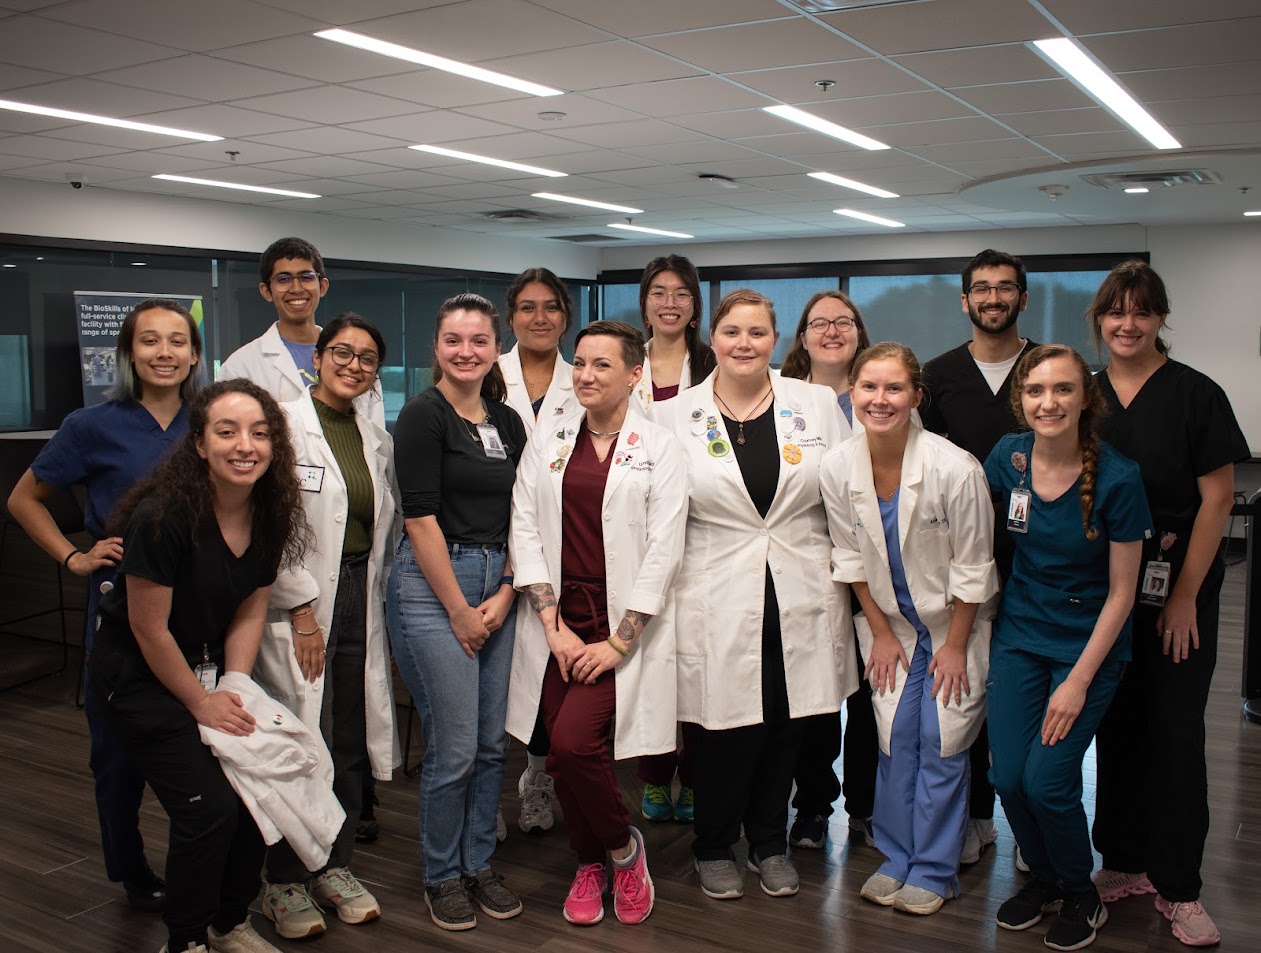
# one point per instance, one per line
(656, 805)
(685, 806)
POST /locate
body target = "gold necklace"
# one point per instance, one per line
(747, 417)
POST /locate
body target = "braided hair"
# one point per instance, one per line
(1092, 412)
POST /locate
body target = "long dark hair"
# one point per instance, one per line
(1093, 410)
(797, 361)
(180, 483)
(700, 356)
(493, 385)
(131, 387)
(1134, 279)
(546, 277)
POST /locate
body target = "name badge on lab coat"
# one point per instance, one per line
(491, 442)
(310, 478)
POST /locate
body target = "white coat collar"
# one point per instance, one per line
(561, 438)
(863, 489)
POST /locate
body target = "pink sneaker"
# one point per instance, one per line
(585, 904)
(1191, 924)
(1114, 885)
(633, 892)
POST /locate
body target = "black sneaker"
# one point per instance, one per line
(146, 892)
(808, 830)
(1079, 917)
(449, 905)
(366, 828)
(1025, 909)
(488, 891)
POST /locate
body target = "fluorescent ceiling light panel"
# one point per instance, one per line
(373, 45)
(803, 118)
(851, 184)
(874, 219)
(237, 185)
(649, 231)
(1073, 61)
(590, 203)
(1251, 214)
(1137, 191)
(106, 121)
(487, 160)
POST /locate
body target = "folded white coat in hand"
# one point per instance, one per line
(283, 773)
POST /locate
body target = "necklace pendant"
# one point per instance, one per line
(740, 437)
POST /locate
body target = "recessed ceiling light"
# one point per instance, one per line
(803, 118)
(1251, 214)
(649, 231)
(1138, 191)
(237, 185)
(1075, 63)
(487, 160)
(105, 121)
(590, 203)
(553, 115)
(874, 219)
(140, 264)
(7, 265)
(372, 45)
(851, 184)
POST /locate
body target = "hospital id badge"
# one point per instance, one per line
(491, 442)
(208, 674)
(1155, 587)
(1018, 511)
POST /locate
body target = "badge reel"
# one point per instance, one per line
(1155, 588)
(492, 445)
(207, 672)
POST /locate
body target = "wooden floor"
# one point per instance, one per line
(54, 895)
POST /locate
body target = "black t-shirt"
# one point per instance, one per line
(758, 457)
(208, 582)
(443, 469)
(1179, 427)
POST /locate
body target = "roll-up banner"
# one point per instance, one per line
(100, 316)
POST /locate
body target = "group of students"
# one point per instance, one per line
(698, 539)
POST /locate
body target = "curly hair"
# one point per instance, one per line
(1094, 409)
(180, 483)
(797, 360)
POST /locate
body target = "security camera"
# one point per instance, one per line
(76, 183)
(75, 179)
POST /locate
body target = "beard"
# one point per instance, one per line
(988, 326)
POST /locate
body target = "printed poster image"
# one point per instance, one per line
(99, 315)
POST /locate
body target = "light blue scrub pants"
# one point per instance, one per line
(921, 811)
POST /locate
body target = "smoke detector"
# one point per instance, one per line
(1054, 192)
(1153, 180)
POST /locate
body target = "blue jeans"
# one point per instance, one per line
(1041, 785)
(463, 706)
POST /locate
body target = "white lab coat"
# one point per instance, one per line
(643, 390)
(276, 667)
(559, 401)
(645, 500)
(267, 362)
(728, 547)
(282, 773)
(946, 534)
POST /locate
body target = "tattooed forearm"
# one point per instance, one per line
(541, 596)
(632, 624)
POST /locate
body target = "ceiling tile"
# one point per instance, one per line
(853, 78)
(204, 78)
(249, 153)
(186, 26)
(327, 139)
(340, 13)
(330, 104)
(647, 17)
(948, 154)
(1054, 122)
(228, 121)
(441, 90)
(1019, 97)
(1006, 63)
(309, 56)
(58, 171)
(44, 147)
(678, 97)
(895, 108)
(105, 99)
(1200, 44)
(523, 146)
(1228, 79)
(1219, 135)
(579, 110)
(1083, 17)
(32, 41)
(399, 179)
(1188, 112)
(911, 134)
(323, 204)
(980, 168)
(431, 128)
(593, 66)
(734, 124)
(777, 43)
(705, 151)
(15, 77)
(601, 160)
(330, 166)
(149, 162)
(941, 25)
(643, 132)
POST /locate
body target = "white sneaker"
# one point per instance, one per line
(981, 833)
(291, 908)
(341, 889)
(241, 939)
(538, 791)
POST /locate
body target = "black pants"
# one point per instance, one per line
(981, 795)
(1151, 808)
(343, 721)
(215, 851)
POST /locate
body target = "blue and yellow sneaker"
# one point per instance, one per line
(656, 805)
(685, 806)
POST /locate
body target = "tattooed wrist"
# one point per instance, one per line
(631, 625)
(541, 596)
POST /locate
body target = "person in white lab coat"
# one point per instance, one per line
(325, 653)
(669, 305)
(292, 278)
(541, 390)
(912, 532)
(763, 634)
(597, 536)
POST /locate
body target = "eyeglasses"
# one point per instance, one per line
(342, 356)
(678, 297)
(821, 325)
(1005, 289)
(282, 279)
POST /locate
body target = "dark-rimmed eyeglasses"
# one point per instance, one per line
(342, 356)
(282, 279)
(1005, 289)
(821, 325)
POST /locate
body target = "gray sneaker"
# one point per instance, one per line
(488, 891)
(720, 879)
(778, 875)
(449, 905)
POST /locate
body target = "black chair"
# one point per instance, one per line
(68, 514)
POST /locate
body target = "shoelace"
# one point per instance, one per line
(295, 898)
(687, 797)
(655, 793)
(588, 883)
(538, 797)
(344, 883)
(628, 883)
(1191, 907)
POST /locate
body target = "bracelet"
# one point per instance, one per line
(297, 631)
(69, 556)
(301, 610)
(619, 649)
(506, 580)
